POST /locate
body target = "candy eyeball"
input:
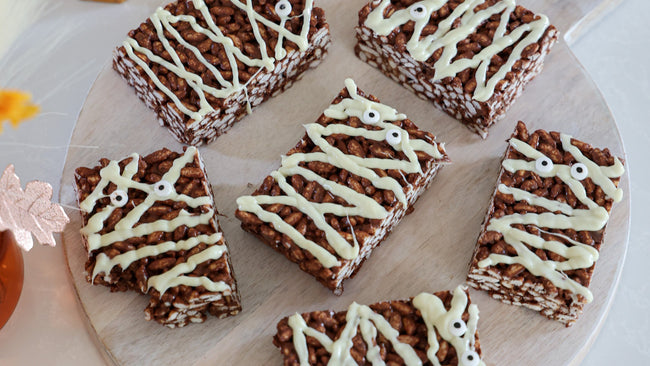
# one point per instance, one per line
(544, 165)
(579, 171)
(371, 117)
(163, 188)
(457, 327)
(418, 11)
(283, 8)
(470, 358)
(119, 198)
(394, 136)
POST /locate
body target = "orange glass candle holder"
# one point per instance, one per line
(11, 275)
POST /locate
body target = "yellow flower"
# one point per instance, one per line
(15, 107)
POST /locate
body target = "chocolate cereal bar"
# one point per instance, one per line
(546, 223)
(471, 58)
(343, 188)
(149, 225)
(201, 65)
(429, 329)
(108, 1)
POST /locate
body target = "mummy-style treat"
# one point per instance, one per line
(471, 58)
(149, 225)
(546, 222)
(342, 189)
(201, 65)
(108, 1)
(430, 329)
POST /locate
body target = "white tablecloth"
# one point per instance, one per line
(55, 48)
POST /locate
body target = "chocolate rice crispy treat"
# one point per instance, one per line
(201, 65)
(427, 328)
(108, 1)
(343, 188)
(150, 226)
(546, 223)
(474, 80)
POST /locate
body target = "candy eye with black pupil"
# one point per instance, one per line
(544, 165)
(470, 358)
(283, 8)
(163, 188)
(394, 136)
(457, 327)
(418, 11)
(579, 171)
(371, 117)
(119, 198)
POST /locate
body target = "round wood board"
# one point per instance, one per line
(428, 251)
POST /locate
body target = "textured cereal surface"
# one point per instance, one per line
(402, 316)
(369, 233)
(193, 183)
(260, 84)
(515, 284)
(453, 95)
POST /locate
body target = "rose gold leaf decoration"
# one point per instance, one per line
(29, 212)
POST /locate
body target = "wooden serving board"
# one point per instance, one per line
(428, 251)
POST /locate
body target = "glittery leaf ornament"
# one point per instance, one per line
(15, 107)
(30, 211)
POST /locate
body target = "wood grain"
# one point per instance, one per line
(428, 251)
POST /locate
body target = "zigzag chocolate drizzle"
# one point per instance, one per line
(162, 21)
(593, 218)
(439, 321)
(128, 227)
(362, 205)
(422, 48)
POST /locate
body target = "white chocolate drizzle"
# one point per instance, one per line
(361, 318)
(362, 205)
(129, 227)
(560, 216)
(162, 21)
(422, 48)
